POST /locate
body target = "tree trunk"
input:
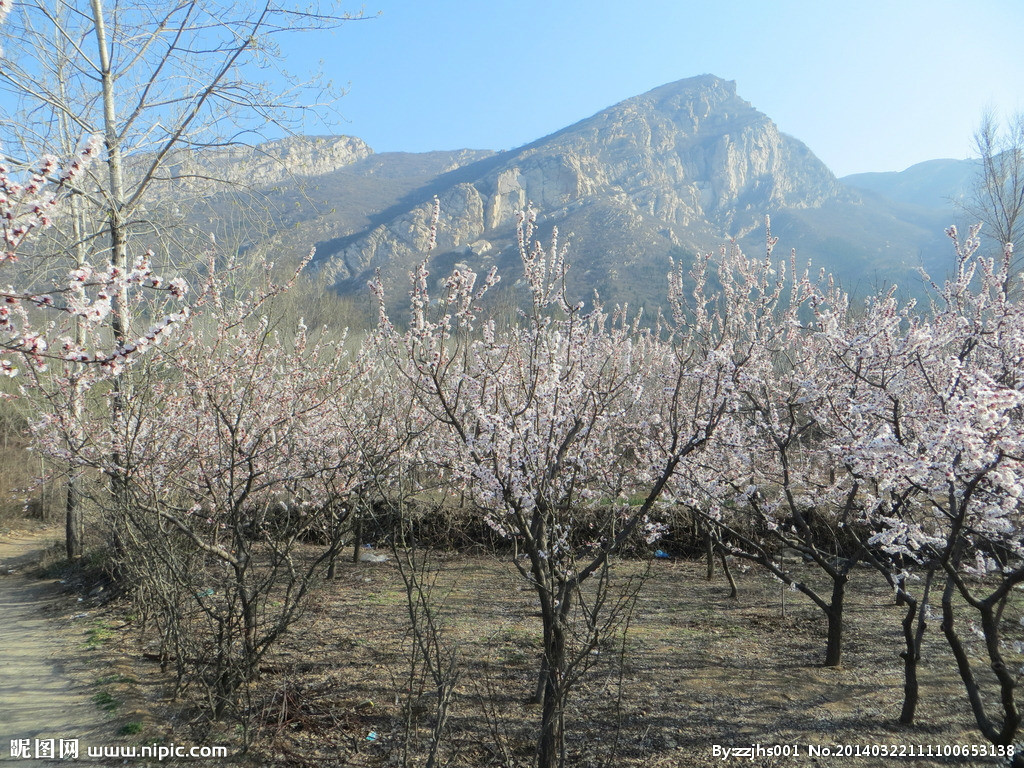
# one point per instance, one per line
(550, 753)
(834, 648)
(357, 537)
(115, 176)
(963, 663)
(912, 636)
(119, 393)
(910, 658)
(901, 594)
(74, 529)
(542, 681)
(709, 552)
(74, 520)
(733, 592)
(74, 526)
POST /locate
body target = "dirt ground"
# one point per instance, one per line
(697, 670)
(52, 670)
(698, 673)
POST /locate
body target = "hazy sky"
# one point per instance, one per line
(869, 85)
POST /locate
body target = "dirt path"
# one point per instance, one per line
(46, 688)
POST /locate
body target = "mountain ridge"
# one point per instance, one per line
(938, 183)
(676, 168)
(682, 168)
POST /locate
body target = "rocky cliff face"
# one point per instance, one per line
(691, 150)
(682, 166)
(273, 162)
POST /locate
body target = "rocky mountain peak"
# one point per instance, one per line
(681, 166)
(679, 169)
(695, 98)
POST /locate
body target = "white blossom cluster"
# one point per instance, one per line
(36, 328)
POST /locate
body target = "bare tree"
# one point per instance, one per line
(160, 83)
(998, 195)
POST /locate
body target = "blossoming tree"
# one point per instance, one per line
(565, 411)
(937, 403)
(231, 460)
(769, 484)
(58, 332)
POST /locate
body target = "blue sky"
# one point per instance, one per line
(868, 85)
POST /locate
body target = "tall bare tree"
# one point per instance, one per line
(161, 82)
(998, 195)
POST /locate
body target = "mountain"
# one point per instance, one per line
(683, 168)
(931, 184)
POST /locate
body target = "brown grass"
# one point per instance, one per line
(697, 669)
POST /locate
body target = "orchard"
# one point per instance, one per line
(230, 456)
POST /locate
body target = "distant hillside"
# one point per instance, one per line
(931, 184)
